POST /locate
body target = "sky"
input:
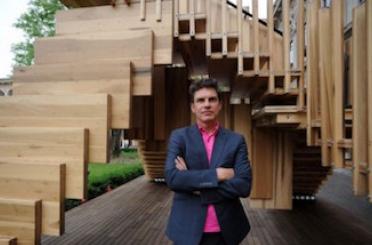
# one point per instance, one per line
(10, 11)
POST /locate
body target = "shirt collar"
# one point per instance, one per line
(213, 132)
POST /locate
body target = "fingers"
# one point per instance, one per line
(180, 163)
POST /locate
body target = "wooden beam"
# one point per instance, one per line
(36, 181)
(224, 26)
(286, 45)
(326, 96)
(270, 44)
(158, 10)
(312, 88)
(176, 18)
(239, 17)
(337, 12)
(208, 28)
(143, 10)
(360, 110)
(192, 17)
(20, 221)
(300, 53)
(256, 38)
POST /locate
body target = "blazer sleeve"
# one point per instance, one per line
(186, 180)
(239, 186)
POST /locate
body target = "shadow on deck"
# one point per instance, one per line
(137, 212)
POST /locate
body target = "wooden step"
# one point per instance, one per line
(79, 111)
(20, 221)
(50, 146)
(83, 78)
(37, 181)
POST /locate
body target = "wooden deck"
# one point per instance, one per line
(136, 213)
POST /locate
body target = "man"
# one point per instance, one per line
(207, 167)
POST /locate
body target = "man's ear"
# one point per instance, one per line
(192, 106)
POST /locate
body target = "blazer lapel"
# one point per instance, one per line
(218, 147)
(199, 145)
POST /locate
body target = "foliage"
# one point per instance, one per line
(38, 21)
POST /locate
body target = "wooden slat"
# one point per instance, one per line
(286, 44)
(256, 38)
(300, 53)
(159, 103)
(142, 10)
(192, 17)
(369, 74)
(224, 18)
(338, 78)
(176, 18)
(20, 220)
(82, 111)
(208, 47)
(123, 17)
(312, 94)
(325, 70)
(84, 78)
(158, 10)
(270, 44)
(360, 110)
(240, 37)
(36, 181)
(50, 146)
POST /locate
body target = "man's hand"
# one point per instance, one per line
(180, 163)
(225, 173)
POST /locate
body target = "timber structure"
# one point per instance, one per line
(128, 66)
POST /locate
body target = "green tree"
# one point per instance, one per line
(38, 21)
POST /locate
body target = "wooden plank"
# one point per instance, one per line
(81, 111)
(176, 16)
(50, 146)
(262, 164)
(20, 220)
(240, 37)
(85, 78)
(325, 70)
(312, 94)
(142, 10)
(270, 44)
(121, 18)
(256, 38)
(224, 26)
(369, 74)
(159, 104)
(36, 181)
(208, 44)
(338, 78)
(132, 46)
(243, 124)
(360, 110)
(286, 45)
(192, 17)
(300, 53)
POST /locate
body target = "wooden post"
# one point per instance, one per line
(143, 10)
(158, 10)
(286, 44)
(224, 27)
(369, 70)
(176, 14)
(240, 41)
(192, 17)
(256, 61)
(338, 79)
(300, 53)
(209, 28)
(312, 93)
(325, 69)
(360, 111)
(270, 39)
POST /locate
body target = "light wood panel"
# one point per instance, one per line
(107, 19)
(360, 110)
(338, 78)
(326, 91)
(50, 146)
(21, 219)
(36, 181)
(369, 74)
(85, 78)
(83, 111)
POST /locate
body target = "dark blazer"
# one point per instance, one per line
(188, 213)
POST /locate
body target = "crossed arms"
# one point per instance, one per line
(215, 185)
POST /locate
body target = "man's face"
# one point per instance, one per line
(206, 105)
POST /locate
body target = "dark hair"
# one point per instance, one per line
(204, 83)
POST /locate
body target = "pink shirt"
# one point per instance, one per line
(211, 222)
